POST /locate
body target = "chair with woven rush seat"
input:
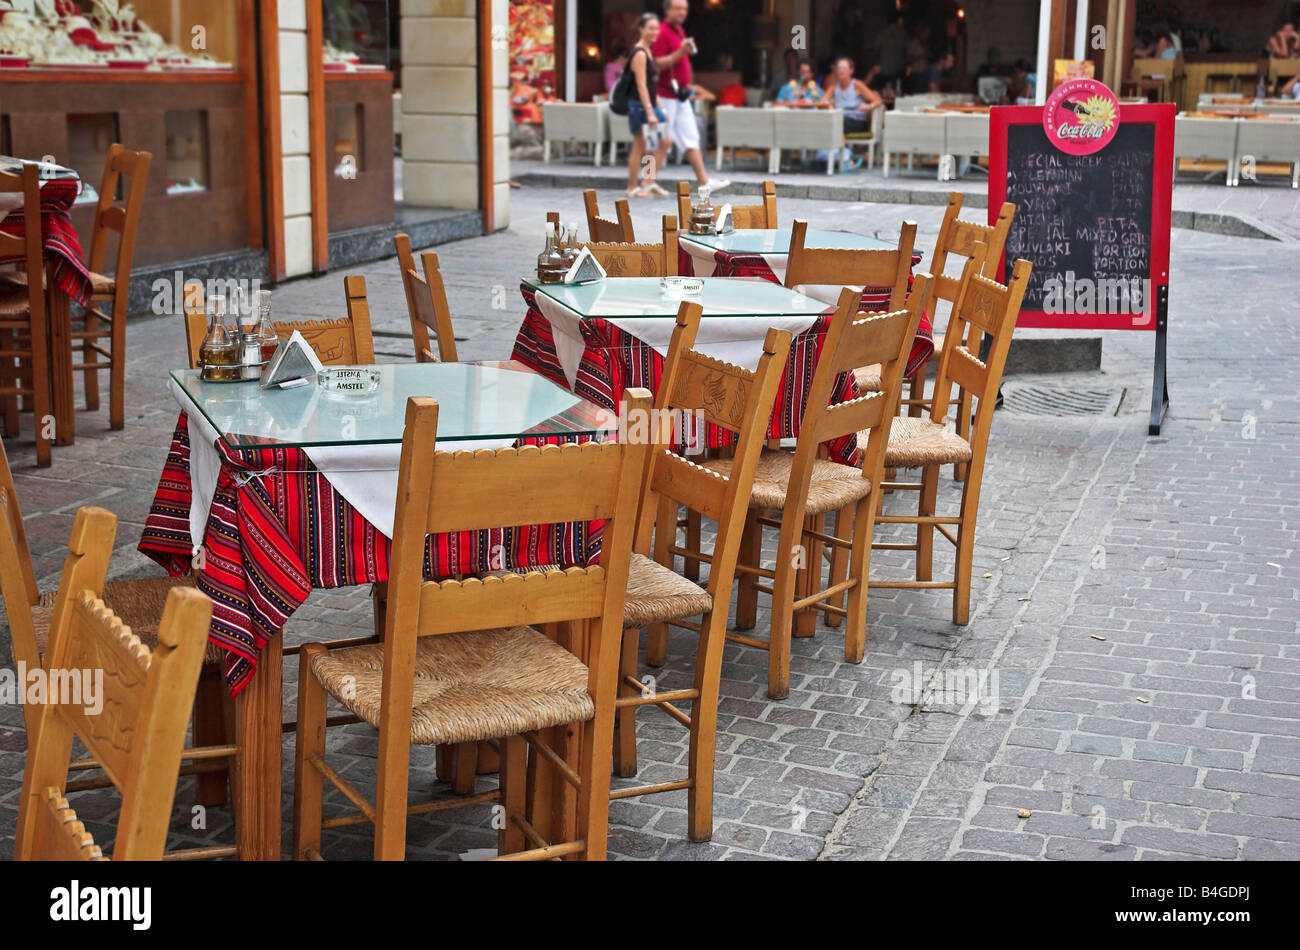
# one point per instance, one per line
(123, 219)
(640, 260)
(460, 660)
(140, 744)
(983, 307)
(33, 620)
(342, 342)
(602, 230)
(761, 216)
(804, 485)
(964, 239)
(694, 390)
(426, 303)
(847, 267)
(24, 357)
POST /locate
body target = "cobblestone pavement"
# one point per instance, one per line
(1134, 613)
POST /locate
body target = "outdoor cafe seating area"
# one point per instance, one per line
(689, 425)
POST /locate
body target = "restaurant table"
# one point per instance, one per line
(763, 252)
(268, 494)
(601, 338)
(69, 277)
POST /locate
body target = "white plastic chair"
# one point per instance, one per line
(1269, 140)
(564, 122)
(1207, 139)
(965, 137)
(808, 129)
(914, 133)
(742, 127)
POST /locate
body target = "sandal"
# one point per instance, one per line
(654, 188)
(637, 193)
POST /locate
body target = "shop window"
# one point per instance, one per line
(187, 151)
(89, 136)
(356, 35)
(348, 128)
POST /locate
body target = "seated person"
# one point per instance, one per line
(853, 96)
(1291, 89)
(1285, 43)
(802, 91)
(931, 75)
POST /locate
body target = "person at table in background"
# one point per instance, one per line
(672, 51)
(801, 92)
(892, 43)
(1285, 43)
(790, 71)
(1168, 43)
(1019, 88)
(614, 68)
(854, 98)
(931, 76)
(1291, 89)
(645, 116)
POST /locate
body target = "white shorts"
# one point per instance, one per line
(681, 122)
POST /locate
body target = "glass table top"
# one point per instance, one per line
(777, 241)
(642, 297)
(476, 401)
(48, 170)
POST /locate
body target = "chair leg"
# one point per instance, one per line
(9, 374)
(751, 554)
(965, 548)
(466, 757)
(963, 430)
(809, 578)
(514, 793)
(784, 586)
(839, 563)
(690, 566)
(916, 392)
(925, 532)
(117, 371)
(308, 783)
(855, 624)
(210, 729)
(625, 718)
(88, 354)
(704, 726)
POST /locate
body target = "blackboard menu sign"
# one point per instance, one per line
(1095, 226)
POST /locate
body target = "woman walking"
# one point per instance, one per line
(650, 140)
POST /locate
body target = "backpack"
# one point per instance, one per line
(622, 91)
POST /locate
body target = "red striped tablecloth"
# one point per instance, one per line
(277, 529)
(873, 298)
(58, 237)
(614, 361)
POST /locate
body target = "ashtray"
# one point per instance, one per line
(681, 286)
(349, 382)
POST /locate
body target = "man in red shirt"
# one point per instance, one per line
(672, 52)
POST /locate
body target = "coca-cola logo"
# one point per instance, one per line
(1081, 116)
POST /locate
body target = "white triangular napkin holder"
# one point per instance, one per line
(294, 359)
(585, 268)
(724, 224)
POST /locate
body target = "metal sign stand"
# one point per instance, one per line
(1159, 379)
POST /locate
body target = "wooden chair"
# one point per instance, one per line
(139, 602)
(122, 220)
(426, 303)
(804, 485)
(459, 662)
(701, 389)
(640, 260)
(844, 267)
(983, 307)
(344, 342)
(604, 231)
(24, 356)
(761, 216)
(963, 239)
(140, 743)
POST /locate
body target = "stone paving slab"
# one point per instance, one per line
(1136, 597)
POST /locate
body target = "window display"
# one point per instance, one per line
(356, 35)
(155, 35)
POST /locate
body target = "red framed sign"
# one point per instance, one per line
(1092, 181)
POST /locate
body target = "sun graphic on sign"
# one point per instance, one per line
(1100, 111)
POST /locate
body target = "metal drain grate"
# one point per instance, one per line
(1034, 400)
